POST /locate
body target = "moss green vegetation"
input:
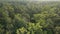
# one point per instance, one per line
(29, 18)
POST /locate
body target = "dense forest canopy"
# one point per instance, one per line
(29, 17)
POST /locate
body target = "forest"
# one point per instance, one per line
(30, 17)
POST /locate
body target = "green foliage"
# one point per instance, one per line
(29, 18)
